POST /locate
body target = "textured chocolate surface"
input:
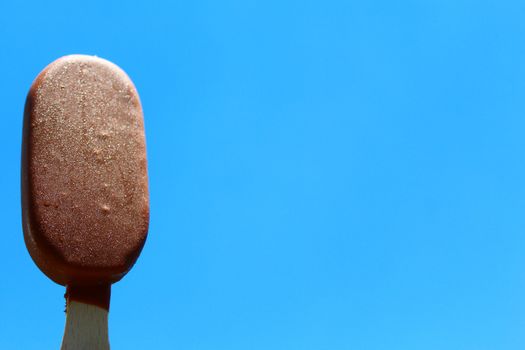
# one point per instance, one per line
(84, 180)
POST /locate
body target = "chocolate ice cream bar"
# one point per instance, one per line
(84, 179)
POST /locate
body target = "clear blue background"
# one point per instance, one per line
(324, 174)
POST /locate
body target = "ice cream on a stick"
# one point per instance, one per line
(85, 202)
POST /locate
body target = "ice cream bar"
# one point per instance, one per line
(85, 199)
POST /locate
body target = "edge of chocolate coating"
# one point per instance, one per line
(98, 295)
(84, 224)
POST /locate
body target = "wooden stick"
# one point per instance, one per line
(86, 327)
(87, 309)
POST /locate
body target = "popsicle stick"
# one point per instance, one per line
(87, 309)
(86, 327)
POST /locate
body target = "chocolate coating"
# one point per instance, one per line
(85, 206)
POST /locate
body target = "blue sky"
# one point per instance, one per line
(323, 174)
